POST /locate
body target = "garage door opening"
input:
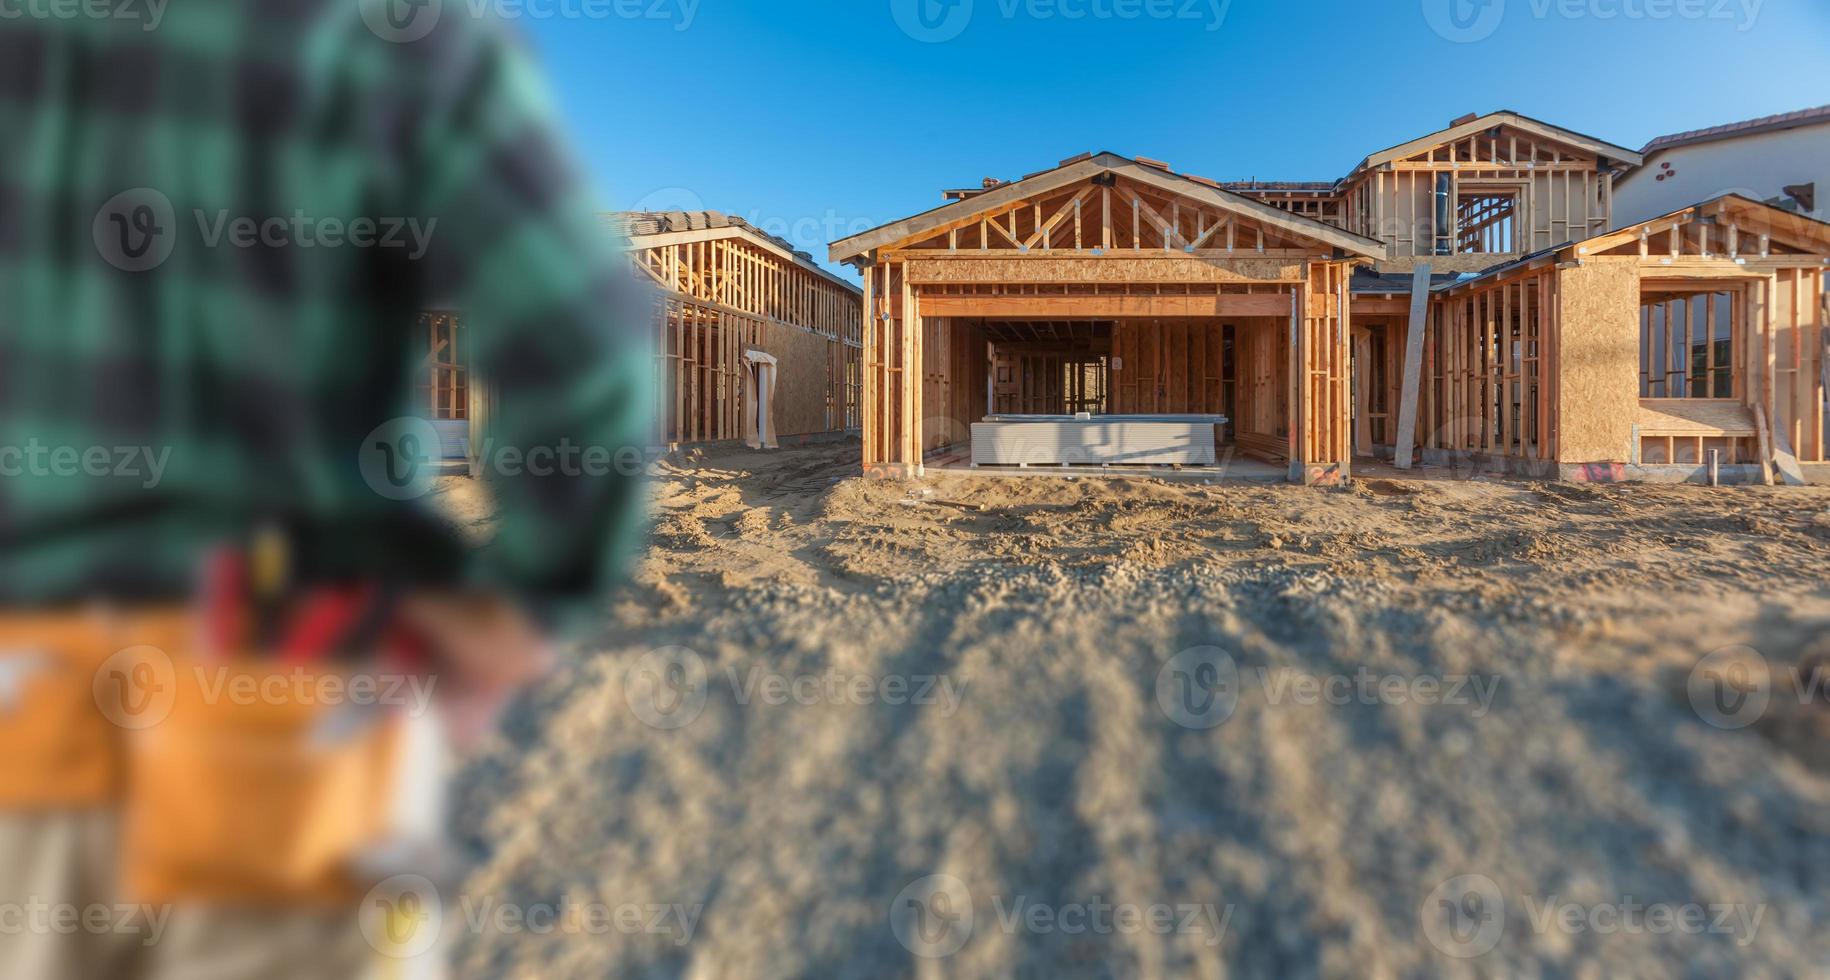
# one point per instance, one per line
(1183, 392)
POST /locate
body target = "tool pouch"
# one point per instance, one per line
(72, 684)
(253, 791)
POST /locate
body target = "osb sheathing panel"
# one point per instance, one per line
(1598, 361)
(961, 267)
(803, 361)
(1407, 264)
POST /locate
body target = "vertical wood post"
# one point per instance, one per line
(1413, 366)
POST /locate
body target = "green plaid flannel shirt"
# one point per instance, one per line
(218, 219)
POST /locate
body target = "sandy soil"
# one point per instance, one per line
(1051, 770)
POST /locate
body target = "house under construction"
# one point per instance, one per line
(753, 340)
(1464, 296)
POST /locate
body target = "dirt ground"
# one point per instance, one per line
(819, 691)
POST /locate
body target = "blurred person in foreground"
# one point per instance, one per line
(218, 220)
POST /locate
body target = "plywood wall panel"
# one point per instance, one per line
(804, 363)
(1598, 361)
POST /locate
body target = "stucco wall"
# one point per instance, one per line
(1754, 166)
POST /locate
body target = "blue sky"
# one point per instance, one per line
(818, 118)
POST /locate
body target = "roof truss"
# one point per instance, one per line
(1108, 202)
(1730, 226)
(1509, 123)
(761, 243)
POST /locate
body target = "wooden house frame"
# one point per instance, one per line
(1702, 329)
(1464, 295)
(1487, 188)
(1627, 355)
(724, 290)
(1160, 260)
(444, 391)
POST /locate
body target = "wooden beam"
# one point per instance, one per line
(1364, 305)
(1099, 307)
(1070, 209)
(1413, 366)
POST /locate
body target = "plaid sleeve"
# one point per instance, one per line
(554, 317)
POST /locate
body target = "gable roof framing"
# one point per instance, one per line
(741, 232)
(1504, 117)
(1791, 229)
(1787, 227)
(1004, 196)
